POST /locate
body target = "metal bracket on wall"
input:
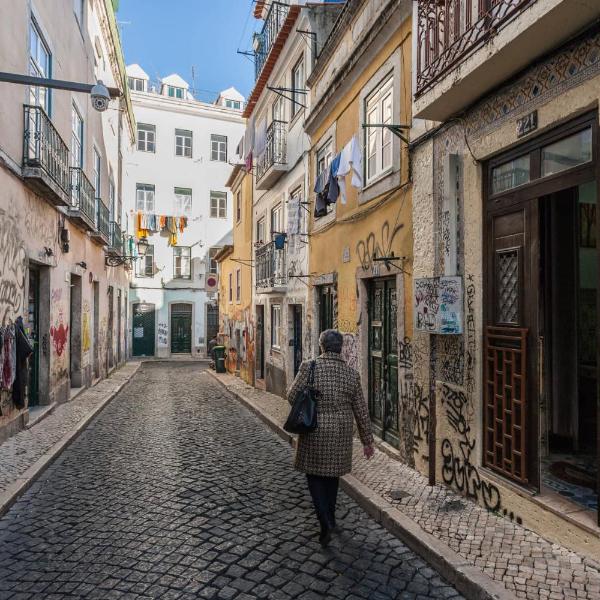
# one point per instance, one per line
(397, 130)
(280, 91)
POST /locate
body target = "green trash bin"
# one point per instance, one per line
(219, 358)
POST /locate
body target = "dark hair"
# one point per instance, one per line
(331, 340)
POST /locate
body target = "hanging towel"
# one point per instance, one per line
(162, 222)
(142, 231)
(172, 229)
(350, 162)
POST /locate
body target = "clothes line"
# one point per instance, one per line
(147, 223)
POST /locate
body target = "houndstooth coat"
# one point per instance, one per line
(327, 451)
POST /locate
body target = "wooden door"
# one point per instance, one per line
(34, 335)
(260, 341)
(143, 329)
(297, 341)
(383, 360)
(181, 329)
(513, 348)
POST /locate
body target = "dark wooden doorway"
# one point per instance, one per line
(143, 327)
(297, 336)
(260, 341)
(383, 360)
(181, 328)
(34, 334)
(541, 401)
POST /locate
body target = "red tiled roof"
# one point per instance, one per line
(267, 69)
(260, 4)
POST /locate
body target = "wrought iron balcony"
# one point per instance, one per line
(270, 266)
(102, 233)
(448, 30)
(45, 156)
(273, 161)
(115, 239)
(263, 41)
(83, 200)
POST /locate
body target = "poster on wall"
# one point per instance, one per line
(438, 304)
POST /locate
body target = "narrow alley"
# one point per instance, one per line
(176, 491)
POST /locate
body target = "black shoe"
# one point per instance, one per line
(325, 537)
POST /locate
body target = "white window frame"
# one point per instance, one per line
(144, 197)
(175, 92)
(182, 262)
(230, 288)
(235, 104)
(40, 65)
(183, 202)
(77, 132)
(276, 219)
(182, 148)
(298, 83)
(260, 231)
(136, 84)
(276, 326)
(218, 147)
(146, 141)
(97, 172)
(111, 199)
(238, 285)
(238, 206)
(218, 205)
(145, 263)
(378, 153)
(213, 265)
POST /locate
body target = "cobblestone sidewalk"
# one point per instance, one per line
(21, 451)
(525, 563)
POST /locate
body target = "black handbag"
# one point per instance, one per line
(303, 416)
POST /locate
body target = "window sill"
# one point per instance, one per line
(382, 184)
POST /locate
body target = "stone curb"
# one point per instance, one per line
(12, 493)
(470, 581)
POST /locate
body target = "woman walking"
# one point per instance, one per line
(325, 454)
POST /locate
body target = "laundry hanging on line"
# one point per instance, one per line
(350, 162)
(147, 223)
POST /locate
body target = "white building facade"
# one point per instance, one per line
(177, 201)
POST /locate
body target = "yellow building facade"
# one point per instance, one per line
(236, 327)
(361, 250)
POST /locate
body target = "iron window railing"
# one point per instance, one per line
(448, 30)
(102, 219)
(115, 238)
(275, 152)
(83, 197)
(270, 266)
(263, 41)
(43, 147)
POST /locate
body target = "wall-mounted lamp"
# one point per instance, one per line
(82, 264)
(115, 261)
(48, 251)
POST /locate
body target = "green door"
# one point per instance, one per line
(143, 330)
(383, 360)
(181, 329)
(34, 334)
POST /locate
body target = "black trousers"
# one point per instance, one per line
(323, 491)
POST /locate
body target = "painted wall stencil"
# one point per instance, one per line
(438, 303)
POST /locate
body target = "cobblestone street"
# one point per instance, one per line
(176, 491)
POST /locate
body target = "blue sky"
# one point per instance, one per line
(171, 36)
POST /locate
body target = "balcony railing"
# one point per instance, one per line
(448, 30)
(102, 220)
(275, 152)
(115, 243)
(83, 197)
(43, 147)
(270, 266)
(264, 40)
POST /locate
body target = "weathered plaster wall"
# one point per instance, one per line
(452, 369)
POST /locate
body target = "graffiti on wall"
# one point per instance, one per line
(377, 245)
(86, 341)
(12, 269)
(471, 342)
(351, 351)
(438, 305)
(458, 469)
(163, 334)
(59, 331)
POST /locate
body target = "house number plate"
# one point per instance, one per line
(527, 124)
